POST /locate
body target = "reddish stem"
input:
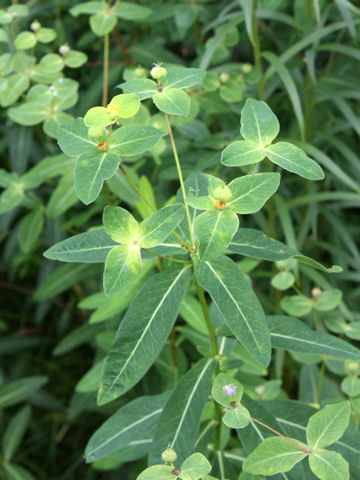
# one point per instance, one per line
(305, 450)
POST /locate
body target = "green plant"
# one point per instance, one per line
(186, 336)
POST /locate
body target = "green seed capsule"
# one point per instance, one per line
(169, 455)
(140, 72)
(96, 133)
(224, 77)
(158, 73)
(64, 49)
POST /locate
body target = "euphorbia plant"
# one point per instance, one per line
(194, 241)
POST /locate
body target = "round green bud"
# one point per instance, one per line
(169, 455)
(96, 133)
(222, 193)
(352, 366)
(35, 26)
(158, 73)
(140, 72)
(224, 77)
(64, 49)
(246, 68)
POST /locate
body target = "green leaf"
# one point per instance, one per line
(102, 23)
(258, 123)
(63, 278)
(351, 386)
(292, 334)
(160, 472)
(19, 390)
(122, 265)
(120, 225)
(297, 305)
(143, 332)
(328, 425)
(158, 226)
(294, 160)
(91, 170)
(214, 229)
(173, 101)
(142, 87)
(183, 77)
(132, 423)
(242, 152)
(240, 309)
(217, 392)
(195, 467)
(88, 247)
(15, 431)
(75, 338)
(25, 41)
(254, 243)
(11, 198)
(131, 11)
(328, 300)
(75, 59)
(250, 192)
(238, 417)
(62, 198)
(15, 472)
(329, 465)
(273, 455)
(87, 8)
(180, 420)
(314, 264)
(28, 114)
(133, 140)
(283, 280)
(73, 138)
(99, 117)
(46, 35)
(128, 104)
(30, 229)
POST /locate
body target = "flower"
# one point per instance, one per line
(230, 390)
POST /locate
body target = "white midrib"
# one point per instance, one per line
(138, 422)
(213, 232)
(249, 192)
(188, 403)
(235, 302)
(98, 170)
(147, 327)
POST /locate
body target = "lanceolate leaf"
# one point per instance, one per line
(91, 169)
(15, 432)
(183, 77)
(328, 465)
(143, 332)
(214, 229)
(250, 192)
(135, 422)
(292, 158)
(242, 152)
(254, 243)
(173, 101)
(19, 390)
(292, 334)
(179, 422)
(133, 140)
(88, 247)
(142, 87)
(241, 310)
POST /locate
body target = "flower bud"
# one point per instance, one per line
(158, 73)
(140, 72)
(260, 389)
(64, 49)
(169, 455)
(246, 68)
(222, 193)
(35, 26)
(96, 133)
(230, 390)
(352, 366)
(316, 292)
(224, 77)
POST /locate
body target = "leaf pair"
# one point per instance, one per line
(123, 262)
(194, 467)
(216, 227)
(277, 454)
(169, 97)
(259, 127)
(236, 415)
(98, 162)
(120, 106)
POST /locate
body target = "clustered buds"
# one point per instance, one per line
(230, 390)
(158, 72)
(169, 455)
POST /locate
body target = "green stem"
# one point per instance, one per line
(177, 161)
(309, 103)
(256, 48)
(205, 310)
(137, 189)
(320, 384)
(106, 71)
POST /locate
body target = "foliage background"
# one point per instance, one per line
(312, 87)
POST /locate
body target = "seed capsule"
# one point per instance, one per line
(169, 455)
(64, 49)
(158, 73)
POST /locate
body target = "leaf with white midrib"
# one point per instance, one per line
(143, 331)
